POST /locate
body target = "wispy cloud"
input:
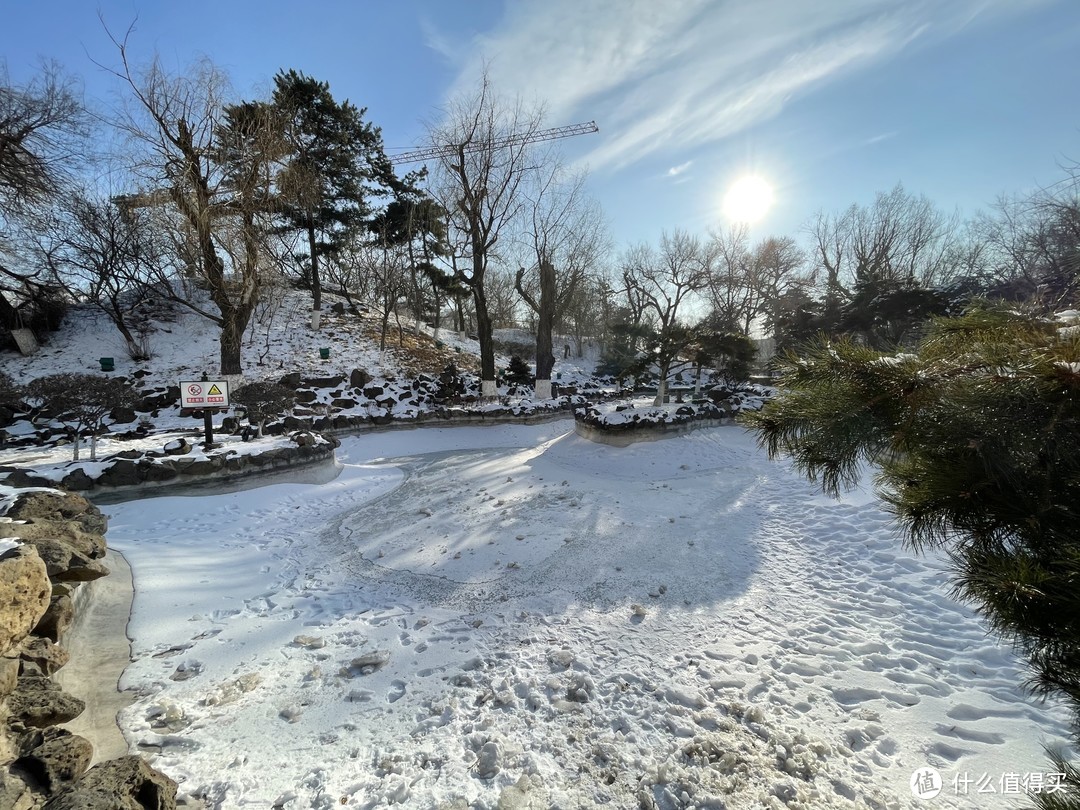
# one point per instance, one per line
(675, 171)
(673, 75)
(884, 136)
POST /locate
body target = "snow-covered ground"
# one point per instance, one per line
(513, 617)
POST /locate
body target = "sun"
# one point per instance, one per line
(748, 199)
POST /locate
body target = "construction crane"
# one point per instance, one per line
(430, 152)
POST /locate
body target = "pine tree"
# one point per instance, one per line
(336, 163)
(974, 436)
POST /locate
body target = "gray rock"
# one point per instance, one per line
(57, 619)
(38, 702)
(25, 594)
(127, 783)
(359, 378)
(40, 656)
(58, 761)
(15, 793)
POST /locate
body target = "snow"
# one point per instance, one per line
(512, 616)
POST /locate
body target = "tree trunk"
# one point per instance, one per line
(316, 283)
(487, 347)
(545, 359)
(75, 447)
(661, 385)
(232, 333)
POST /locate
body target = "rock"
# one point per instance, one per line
(324, 382)
(338, 308)
(123, 472)
(127, 783)
(359, 378)
(306, 397)
(487, 762)
(57, 619)
(65, 564)
(15, 793)
(9, 677)
(25, 594)
(303, 439)
(291, 380)
(77, 481)
(371, 661)
(57, 505)
(88, 544)
(38, 702)
(123, 415)
(40, 656)
(178, 447)
(341, 403)
(58, 761)
(373, 391)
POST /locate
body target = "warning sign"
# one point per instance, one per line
(204, 394)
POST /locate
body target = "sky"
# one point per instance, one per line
(827, 102)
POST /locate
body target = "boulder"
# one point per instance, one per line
(324, 382)
(15, 793)
(91, 545)
(38, 702)
(120, 474)
(341, 403)
(373, 391)
(178, 447)
(64, 564)
(57, 505)
(55, 764)
(40, 656)
(25, 594)
(77, 481)
(9, 676)
(127, 783)
(291, 380)
(57, 619)
(123, 415)
(359, 378)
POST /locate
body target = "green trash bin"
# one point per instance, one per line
(107, 364)
(324, 353)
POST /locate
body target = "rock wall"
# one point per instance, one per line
(143, 470)
(56, 542)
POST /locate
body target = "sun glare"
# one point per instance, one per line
(748, 199)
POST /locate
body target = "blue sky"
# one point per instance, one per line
(831, 101)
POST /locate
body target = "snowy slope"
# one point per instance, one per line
(514, 617)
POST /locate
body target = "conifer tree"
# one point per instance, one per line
(974, 438)
(336, 163)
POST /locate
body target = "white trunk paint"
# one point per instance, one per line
(661, 390)
(543, 389)
(487, 389)
(316, 319)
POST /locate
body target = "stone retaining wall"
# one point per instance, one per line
(61, 543)
(131, 475)
(628, 433)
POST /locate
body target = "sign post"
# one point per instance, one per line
(208, 396)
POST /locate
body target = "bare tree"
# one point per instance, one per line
(733, 293)
(778, 273)
(210, 161)
(564, 233)
(93, 250)
(41, 128)
(664, 281)
(480, 185)
(899, 238)
(384, 263)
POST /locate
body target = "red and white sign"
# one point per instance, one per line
(204, 394)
